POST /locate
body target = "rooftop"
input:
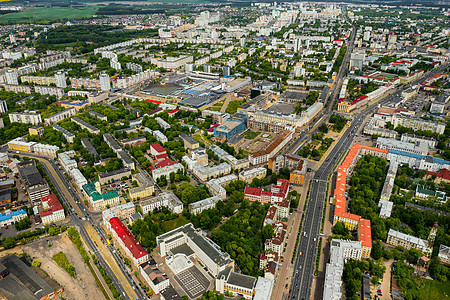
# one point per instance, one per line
(127, 238)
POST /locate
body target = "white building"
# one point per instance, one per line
(169, 200)
(204, 249)
(30, 117)
(340, 251)
(60, 79)
(165, 171)
(205, 173)
(199, 206)
(105, 84)
(51, 210)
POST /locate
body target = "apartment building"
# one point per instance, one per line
(62, 115)
(216, 185)
(205, 173)
(29, 117)
(112, 176)
(397, 238)
(145, 187)
(208, 203)
(85, 125)
(169, 200)
(166, 170)
(69, 136)
(249, 175)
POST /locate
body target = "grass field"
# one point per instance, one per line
(50, 14)
(250, 135)
(436, 290)
(175, 223)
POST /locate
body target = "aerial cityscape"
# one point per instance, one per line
(214, 150)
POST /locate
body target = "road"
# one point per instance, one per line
(306, 254)
(91, 232)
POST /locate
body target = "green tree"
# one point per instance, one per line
(267, 232)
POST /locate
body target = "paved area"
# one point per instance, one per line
(193, 282)
(284, 275)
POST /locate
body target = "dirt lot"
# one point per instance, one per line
(82, 287)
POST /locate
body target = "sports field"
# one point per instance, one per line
(50, 14)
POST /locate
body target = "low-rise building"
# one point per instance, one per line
(423, 193)
(122, 211)
(205, 173)
(156, 279)
(98, 115)
(36, 186)
(127, 241)
(166, 170)
(9, 217)
(36, 130)
(62, 115)
(112, 176)
(169, 200)
(272, 148)
(29, 117)
(51, 210)
(189, 142)
(98, 200)
(85, 125)
(69, 136)
(340, 251)
(397, 238)
(205, 250)
(236, 284)
(199, 206)
(145, 187)
(249, 175)
(444, 254)
(216, 185)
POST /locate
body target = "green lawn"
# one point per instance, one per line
(51, 14)
(250, 135)
(436, 290)
(175, 223)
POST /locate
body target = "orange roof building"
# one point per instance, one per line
(350, 220)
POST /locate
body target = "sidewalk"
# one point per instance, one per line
(284, 274)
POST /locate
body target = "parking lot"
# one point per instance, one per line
(193, 282)
(120, 186)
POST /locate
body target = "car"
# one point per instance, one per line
(301, 253)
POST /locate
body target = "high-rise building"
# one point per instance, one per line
(60, 79)
(11, 77)
(3, 106)
(207, 68)
(189, 67)
(105, 84)
(226, 71)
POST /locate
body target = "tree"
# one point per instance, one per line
(340, 229)
(323, 128)
(267, 232)
(8, 243)
(36, 263)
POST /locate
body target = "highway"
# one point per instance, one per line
(308, 244)
(91, 232)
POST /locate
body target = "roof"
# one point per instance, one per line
(127, 238)
(241, 280)
(157, 147)
(165, 163)
(272, 144)
(252, 191)
(7, 216)
(26, 278)
(52, 203)
(365, 233)
(443, 173)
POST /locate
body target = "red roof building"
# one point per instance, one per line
(173, 112)
(154, 101)
(128, 242)
(51, 210)
(156, 149)
(165, 163)
(443, 175)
